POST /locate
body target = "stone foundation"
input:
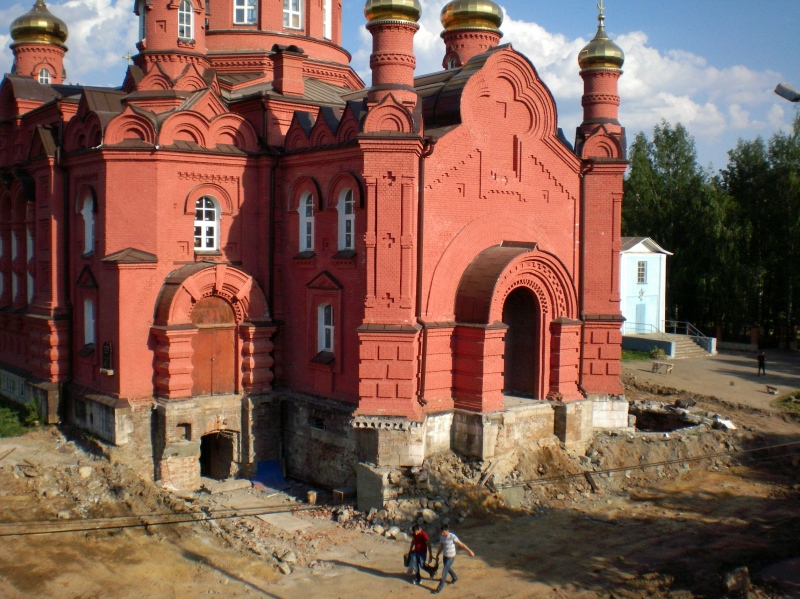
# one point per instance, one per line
(610, 413)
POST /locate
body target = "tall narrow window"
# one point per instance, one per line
(185, 20)
(325, 317)
(306, 210)
(347, 220)
(292, 14)
(29, 255)
(641, 273)
(87, 211)
(44, 76)
(88, 321)
(327, 18)
(14, 286)
(206, 224)
(244, 12)
(142, 10)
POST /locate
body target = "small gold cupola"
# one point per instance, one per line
(39, 26)
(471, 14)
(601, 52)
(392, 10)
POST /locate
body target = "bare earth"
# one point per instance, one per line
(671, 530)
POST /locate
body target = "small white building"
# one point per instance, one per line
(642, 285)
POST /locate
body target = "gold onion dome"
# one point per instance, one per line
(392, 10)
(471, 14)
(39, 25)
(601, 52)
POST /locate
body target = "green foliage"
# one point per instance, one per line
(657, 353)
(735, 235)
(630, 355)
(790, 402)
(10, 420)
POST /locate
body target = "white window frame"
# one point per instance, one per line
(14, 286)
(306, 229)
(327, 19)
(293, 14)
(206, 230)
(325, 328)
(641, 272)
(88, 322)
(245, 12)
(87, 212)
(44, 76)
(142, 19)
(347, 220)
(14, 246)
(185, 20)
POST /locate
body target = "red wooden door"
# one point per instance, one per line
(213, 348)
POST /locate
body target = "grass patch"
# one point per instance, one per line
(790, 402)
(12, 417)
(629, 355)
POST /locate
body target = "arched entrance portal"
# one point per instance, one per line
(213, 363)
(521, 314)
(217, 453)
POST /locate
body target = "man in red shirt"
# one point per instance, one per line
(420, 547)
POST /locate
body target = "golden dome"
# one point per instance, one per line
(39, 25)
(393, 10)
(471, 14)
(601, 52)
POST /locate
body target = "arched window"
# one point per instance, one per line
(244, 12)
(451, 62)
(185, 20)
(306, 210)
(88, 322)
(142, 10)
(327, 18)
(44, 76)
(206, 224)
(325, 328)
(292, 14)
(347, 220)
(87, 211)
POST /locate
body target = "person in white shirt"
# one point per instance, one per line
(447, 544)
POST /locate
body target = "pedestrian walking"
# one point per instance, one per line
(447, 544)
(419, 551)
(762, 364)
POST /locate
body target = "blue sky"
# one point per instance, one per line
(709, 64)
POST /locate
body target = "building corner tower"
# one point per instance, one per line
(600, 143)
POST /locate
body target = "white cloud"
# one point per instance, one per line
(715, 104)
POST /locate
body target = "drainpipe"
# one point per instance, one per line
(585, 170)
(428, 146)
(67, 265)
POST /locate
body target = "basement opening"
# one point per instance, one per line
(217, 455)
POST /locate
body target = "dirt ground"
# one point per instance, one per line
(682, 527)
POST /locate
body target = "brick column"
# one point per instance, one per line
(565, 342)
(174, 360)
(256, 357)
(478, 367)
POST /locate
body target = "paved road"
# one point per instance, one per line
(730, 375)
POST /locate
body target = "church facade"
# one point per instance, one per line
(243, 254)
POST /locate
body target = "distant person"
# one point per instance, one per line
(762, 364)
(419, 552)
(447, 543)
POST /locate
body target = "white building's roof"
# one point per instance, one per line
(642, 244)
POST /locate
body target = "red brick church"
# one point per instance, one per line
(243, 254)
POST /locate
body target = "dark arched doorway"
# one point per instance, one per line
(213, 363)
(521, 314)
(217, 454)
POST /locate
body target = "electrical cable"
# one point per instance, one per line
(152, 520)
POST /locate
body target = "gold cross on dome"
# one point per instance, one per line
(128, 57)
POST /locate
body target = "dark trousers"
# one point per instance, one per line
(762, 368)
(417, 559)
